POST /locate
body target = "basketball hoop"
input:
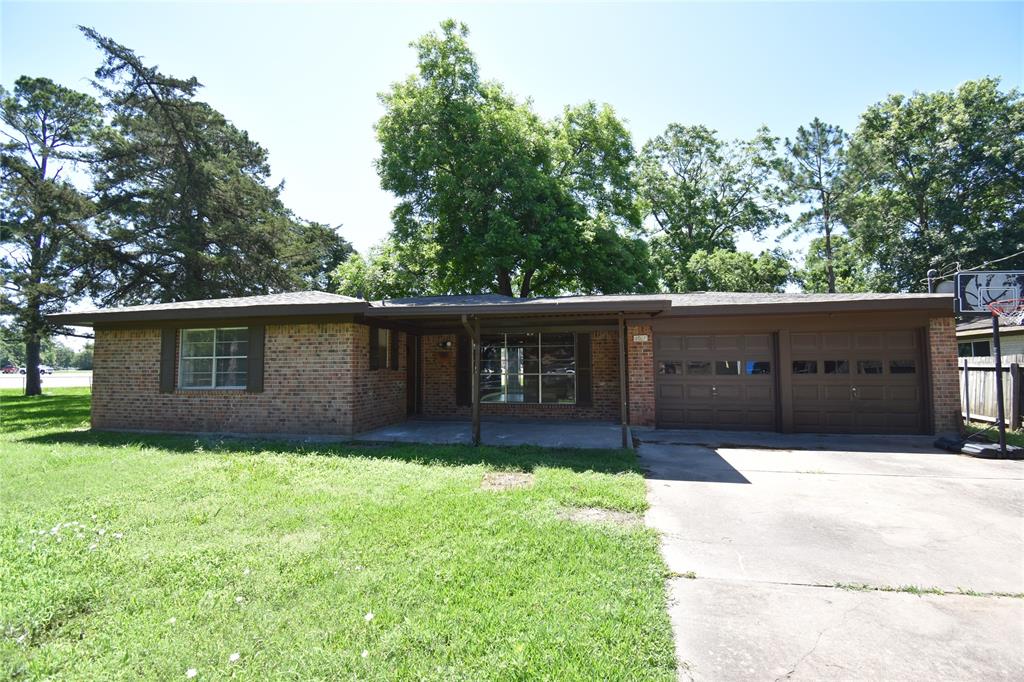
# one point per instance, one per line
(1010, 311)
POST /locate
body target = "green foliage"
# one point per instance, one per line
(160, 553)
(813, 173)
(389, 270)
(853, 272)
(48, 250)
(725, 270)
(514, 204)
(937, 179)
(701, 192)
(186, 210)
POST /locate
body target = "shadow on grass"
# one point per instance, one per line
(519, 458)
(50, 410)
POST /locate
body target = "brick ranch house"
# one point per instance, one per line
(318, 363)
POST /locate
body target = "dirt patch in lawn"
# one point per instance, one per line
(506, 480)
(598, 515)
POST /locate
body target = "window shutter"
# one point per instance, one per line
(584, 380)
(168, 348)
(393, 339)
(462, 364)
(254, 377)
(374, 348)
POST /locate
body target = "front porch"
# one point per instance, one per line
(550, 434)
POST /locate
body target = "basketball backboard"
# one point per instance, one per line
(975, 290)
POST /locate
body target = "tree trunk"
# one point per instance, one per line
(33, 386)
(826, 215)
(524, 290)
(504, 283)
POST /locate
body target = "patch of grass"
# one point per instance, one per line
(689, 575)
(990, 430)
(915, 589)
(136, 556)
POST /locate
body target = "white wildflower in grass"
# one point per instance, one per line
(368, 617)
(365, 653)
(239, 599)
(233, 658)
(93, 546)
(191, 672)
(172, 620)
(245, 572)
(118, 535)
(101, 531)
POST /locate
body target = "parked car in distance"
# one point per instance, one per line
(11, 369)
(43, 369)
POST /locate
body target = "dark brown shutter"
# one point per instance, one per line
(374, 348)
(462, 378)
(254, 379)
(584, 381)
(393, 338)
(168, 347)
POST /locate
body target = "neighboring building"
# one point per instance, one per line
(974, 339)
(317, 363)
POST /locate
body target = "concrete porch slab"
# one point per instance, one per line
(588, 435)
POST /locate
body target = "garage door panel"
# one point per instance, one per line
(859, 381)
(726, 381)
(801, 342)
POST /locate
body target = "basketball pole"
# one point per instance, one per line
(997, 352)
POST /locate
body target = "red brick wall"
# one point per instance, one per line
(945, 381)
(439, 386)
(640, 366)
(316, 381)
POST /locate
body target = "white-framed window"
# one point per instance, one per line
(974, 349)
(528, 367)
(214, 358)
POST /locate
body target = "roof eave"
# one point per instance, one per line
(938, 305)
(91, 318)
(521, 309)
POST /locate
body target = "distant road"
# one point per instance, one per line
(55, 380)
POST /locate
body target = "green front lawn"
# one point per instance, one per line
(127, 556)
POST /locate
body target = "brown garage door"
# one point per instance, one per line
(859, 381)
(715, 381)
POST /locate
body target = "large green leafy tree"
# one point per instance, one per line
(813, 173)
(726, 270)
(187, 211)
(937, 179)
(839, 267)
(701, 192)
(44, 218)
(513, 204)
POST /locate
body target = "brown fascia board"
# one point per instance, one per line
(938, 306)
(520, 309)
(987, 332)
(293, 310)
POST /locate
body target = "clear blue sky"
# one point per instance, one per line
(303, 78)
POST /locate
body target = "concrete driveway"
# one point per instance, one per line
(821, 563)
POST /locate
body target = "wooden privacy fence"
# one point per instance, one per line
(978, 389)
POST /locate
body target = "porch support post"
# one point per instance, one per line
(474, 368)
(623, 389)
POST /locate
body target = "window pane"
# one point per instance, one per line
(557, 359)
(491, 390)
(197, 343)
(869, 367)
(492, 340)
(902, 367)
(698, 367)
(837, 367)
(805, 367)
(196, 373)
(513, 363)
(531, 359)
(558, 389)
(963, 350)
(759, 367)
(490, 365)
(727, 367)
(383, 347)
(549, 339)
(982, 349)
(525, 339)
(670, 368)
(232, 346)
